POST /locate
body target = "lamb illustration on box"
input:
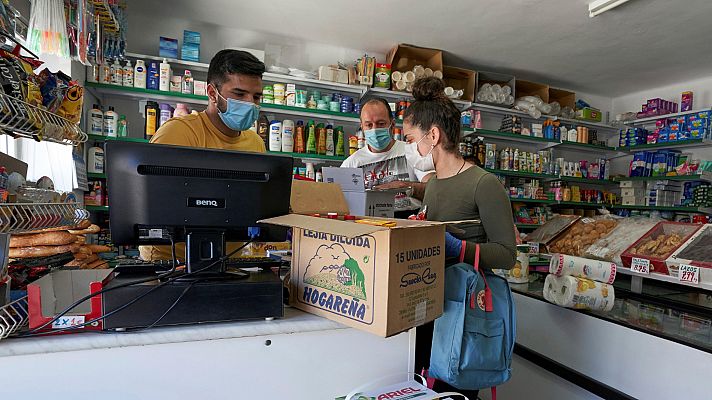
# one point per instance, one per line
(334, 269)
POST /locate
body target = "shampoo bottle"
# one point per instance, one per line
(140, 75)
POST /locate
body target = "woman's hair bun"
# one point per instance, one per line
(428, 89)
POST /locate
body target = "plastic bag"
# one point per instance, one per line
(623, 236)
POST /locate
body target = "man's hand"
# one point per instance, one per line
(394, 185)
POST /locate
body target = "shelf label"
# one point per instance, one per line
(68, 321)
(689, 274)
(533, 248)
(640, 265)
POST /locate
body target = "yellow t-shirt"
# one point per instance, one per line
(197, 131)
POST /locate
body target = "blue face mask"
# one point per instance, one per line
(239, 115)
(378, 138)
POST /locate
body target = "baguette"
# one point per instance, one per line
(43, 239)
(95, 264)
(82, 225)
(98, 248)
(91, 229)
(42, 251)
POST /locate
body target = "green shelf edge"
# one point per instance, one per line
(587, 146)
(534, 201)
(684, 143)
(528, 226)
(96, 208)
(310, 156)
(581, 203)
(508, 135)
(520, 174)
(96, 176)
(585, 180)
(659, 178)
(659, 208)
(98, 138)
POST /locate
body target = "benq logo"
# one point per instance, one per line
(197, 202)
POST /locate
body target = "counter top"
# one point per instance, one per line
(294, 321)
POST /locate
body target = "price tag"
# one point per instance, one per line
(640, 265)
(533, 248)
(689, 273)
(67, 321)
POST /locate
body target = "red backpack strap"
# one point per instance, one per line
(488, 291)
(493, 389)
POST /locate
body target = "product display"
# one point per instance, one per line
(579, 293)
(623, 235)
(576, 239)
(659, 243)
(495, 94)
(566, 265)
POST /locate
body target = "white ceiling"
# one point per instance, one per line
(640, 45)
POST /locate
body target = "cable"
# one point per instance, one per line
(175, 303)
(34, 332)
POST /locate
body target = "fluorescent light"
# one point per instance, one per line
(600, 6)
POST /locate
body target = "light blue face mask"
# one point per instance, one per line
(239, 115)
(378, 138)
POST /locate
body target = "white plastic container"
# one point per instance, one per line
(140, 75)
(95, 164)
(128, 75)
(275, 136)
(287, 136)
(104, 74)
(97, 120)
(111, 122)
(329, 140)
(164, 80)
(310, 171)
(117, 73)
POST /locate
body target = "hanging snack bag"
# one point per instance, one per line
(71, 106)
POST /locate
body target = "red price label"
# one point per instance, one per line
(689, 273)
(640, 265)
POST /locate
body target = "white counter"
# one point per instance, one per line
(300, 356)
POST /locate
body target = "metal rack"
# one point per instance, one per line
(13, 317)
(21, 119)
(21, 217)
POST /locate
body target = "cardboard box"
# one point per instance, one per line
(361, 201)
(633, 200)
(632, 192)
(564, 97)
(496, 78)
(403, 57)
(168, 47)
(632, 184)
(378, 279)
(589, 114)
(461, 79)
(527, 88)
(51, 294)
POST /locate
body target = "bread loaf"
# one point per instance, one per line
(43, 239)
(42, 251)
(98, 248)
(91, 229)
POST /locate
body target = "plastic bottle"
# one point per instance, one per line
(117, 73)
(151, 124)
(166, 113)
(97, 120)
(128, 75)
(187, 87)
(311, 138)
(275, 136)
(181, 110)
(123, 127)
(152, 76)
(361, 140)
(4, 180)
(320, 139)
(263, 129)
(329, 140)
(93, 73)
(287, 136)
(140, 75)
(340, 141)
(105, 74)
(515, 160)
(310, 171)
(111, 122)
(164, 79)
(95, 163)
(299, 138)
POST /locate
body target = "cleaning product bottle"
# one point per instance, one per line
(123, 129)
(320, 139)
(151, 124)
(187, 87)
(287, 136)
(311, 138)
(97, 120)
(340, 141)
(181, 110)
(152, 76)
(164, 79)
(105, 74)
(128, 75)
(4, 181)
(275, 136)
(166, 113)
(310, 171)
(140, 75)
(95, 164)
(299, 138)
(111, 122)
(329, 140)
(263, 129)
(117, 73)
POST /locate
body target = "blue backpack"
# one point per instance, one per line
(473, 340)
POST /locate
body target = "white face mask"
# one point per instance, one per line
(421, 163)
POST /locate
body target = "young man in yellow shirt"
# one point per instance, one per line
(234, 93)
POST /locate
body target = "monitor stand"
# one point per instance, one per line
(202, 248)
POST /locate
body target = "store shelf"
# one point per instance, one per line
(97, 208)
(27, 217)
(586, 146)
(520, 174)
(393, 95)
(527, 226)
(581, 204)
(664, 278)
(512, 111)
(197, 66)
(668, 145)
(311, 113)
(507, 136)
(98, 138)
(573, 179)
(95, 176)
(318, 157)
(695, 210)
(36, 123)
(706, 176)
(532, 201)
(645, 120)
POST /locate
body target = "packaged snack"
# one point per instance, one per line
(53, 88)
(576, 240)
(626, 232)
(659, 244)
(71, 106)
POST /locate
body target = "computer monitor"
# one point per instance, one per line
(159, 193)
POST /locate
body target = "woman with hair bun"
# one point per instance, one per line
(458, 191)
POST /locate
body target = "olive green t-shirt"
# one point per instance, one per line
(476, 194)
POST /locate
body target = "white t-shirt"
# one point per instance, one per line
(379, 168)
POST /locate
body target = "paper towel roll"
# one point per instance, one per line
(565, 265)
(578, 293)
